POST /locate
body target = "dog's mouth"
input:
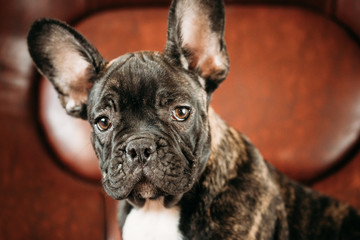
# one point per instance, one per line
(144, 190)
(141, 185)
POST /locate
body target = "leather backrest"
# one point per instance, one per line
(292, 88)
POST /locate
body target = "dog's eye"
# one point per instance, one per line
(103, 124)
(180, 113)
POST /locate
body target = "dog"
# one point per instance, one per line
(179, 171)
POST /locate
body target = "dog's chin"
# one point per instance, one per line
(144, 190)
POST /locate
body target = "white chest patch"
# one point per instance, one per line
(152, 222)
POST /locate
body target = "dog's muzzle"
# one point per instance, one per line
(147, 167)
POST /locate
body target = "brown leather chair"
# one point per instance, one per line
(293, 88)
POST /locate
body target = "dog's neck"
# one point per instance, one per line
(228, 152)
(231, 152)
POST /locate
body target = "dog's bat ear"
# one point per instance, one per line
(195, 39)
(65, 58)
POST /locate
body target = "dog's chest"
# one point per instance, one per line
(152, 222)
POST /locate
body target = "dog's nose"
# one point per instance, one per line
(140, 150)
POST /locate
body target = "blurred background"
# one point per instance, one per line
(293, 88)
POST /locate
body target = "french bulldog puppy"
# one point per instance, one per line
(179, 171)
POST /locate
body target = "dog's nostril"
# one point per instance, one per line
(147, 152)
(132, 153)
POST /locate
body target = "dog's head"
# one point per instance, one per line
(148, 110)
